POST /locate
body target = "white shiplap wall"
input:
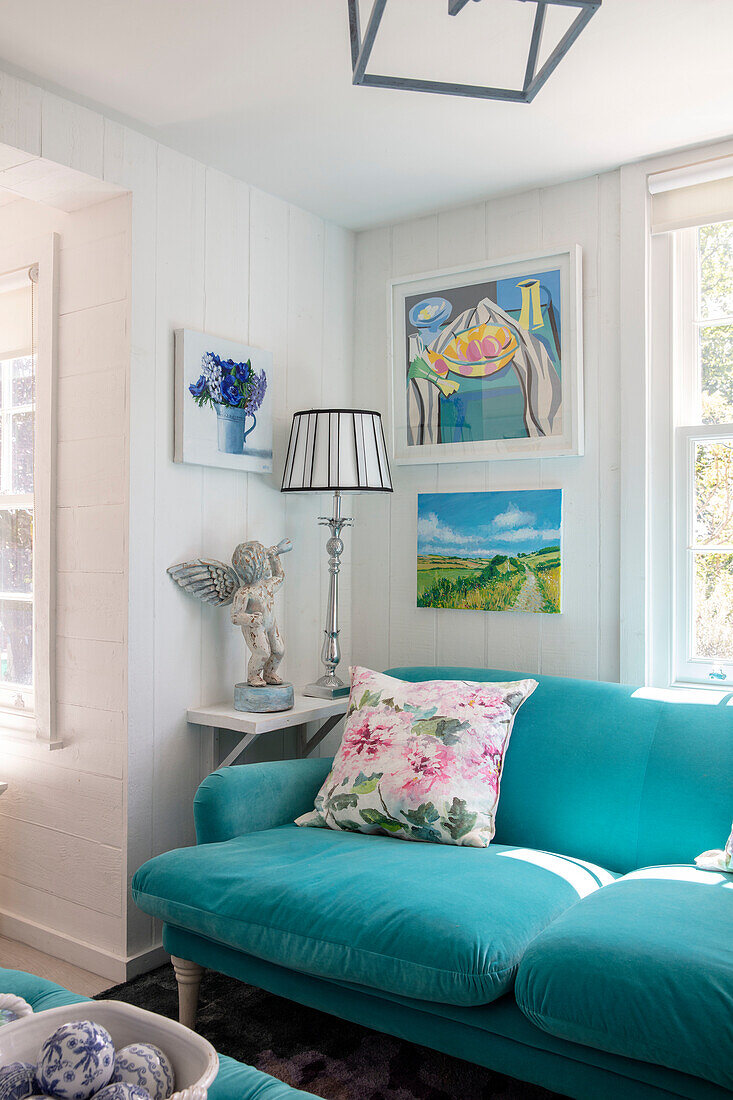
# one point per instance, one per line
(583, 641)
(208, 252)
(248, 267)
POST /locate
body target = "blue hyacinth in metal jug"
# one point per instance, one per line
(235, 391)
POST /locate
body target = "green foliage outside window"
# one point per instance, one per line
(713, 527)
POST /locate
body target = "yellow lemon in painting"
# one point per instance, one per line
(479, 351)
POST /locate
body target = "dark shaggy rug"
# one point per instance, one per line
(316, 1052)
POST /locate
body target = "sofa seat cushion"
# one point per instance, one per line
(429, 921)
(643, 968)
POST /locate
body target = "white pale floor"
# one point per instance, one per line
(16, 956)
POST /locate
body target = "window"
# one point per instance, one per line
(28, 296)
(703, 413)
(17, 409)
(17, 435)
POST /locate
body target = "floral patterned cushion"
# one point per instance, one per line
(420, 761)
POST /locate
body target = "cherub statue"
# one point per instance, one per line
(249, 585)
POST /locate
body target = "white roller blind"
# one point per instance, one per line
(694, 195)
(15, 323)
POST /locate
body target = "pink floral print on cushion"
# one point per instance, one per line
(420, 761)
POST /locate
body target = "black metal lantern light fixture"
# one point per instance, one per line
(534, 79)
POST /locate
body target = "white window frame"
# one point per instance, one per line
(38, 723)
(689, 431)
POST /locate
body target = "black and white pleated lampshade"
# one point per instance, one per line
(332, 450)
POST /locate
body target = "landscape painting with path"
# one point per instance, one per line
(490, 551)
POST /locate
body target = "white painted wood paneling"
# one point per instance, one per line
(609, 427)
(20, 118)
(178, 499)
(130, 160)
(38, 908)
(412, 630)
(370, 536)
(94, 273)
(94, 341)
(83, 805)
(92, 870)
(72, 136)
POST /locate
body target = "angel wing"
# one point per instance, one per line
(207, 579)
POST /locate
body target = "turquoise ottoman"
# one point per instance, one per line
(234, 1082)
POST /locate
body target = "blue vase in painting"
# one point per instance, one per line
(232, 430)
(230, 424)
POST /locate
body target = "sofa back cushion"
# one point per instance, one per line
(600, 772)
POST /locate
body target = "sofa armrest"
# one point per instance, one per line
(251, 797)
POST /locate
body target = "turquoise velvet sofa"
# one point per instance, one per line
(582, 951)
(234, 1081)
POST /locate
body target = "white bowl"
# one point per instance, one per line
(10, 1003)
(195, 1062)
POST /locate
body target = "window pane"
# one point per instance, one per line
(713, 494)
(22, 384)
(16, 642)
(713, 606)
(715, 244)
(16, 550)
(716, 373)
(23, 452)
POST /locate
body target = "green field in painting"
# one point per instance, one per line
(431, 567)
(527, 582)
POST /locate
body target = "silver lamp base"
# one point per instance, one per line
(328, 687)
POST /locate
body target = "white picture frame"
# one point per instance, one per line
(420, 412)
(214, 433)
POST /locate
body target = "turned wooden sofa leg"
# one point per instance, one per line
(188, 976)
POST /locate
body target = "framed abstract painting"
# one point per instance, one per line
(490, 551)
(487, 361)
(223, 403)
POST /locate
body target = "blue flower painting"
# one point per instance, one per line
(223, 403)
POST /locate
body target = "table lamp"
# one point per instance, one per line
(335, 451)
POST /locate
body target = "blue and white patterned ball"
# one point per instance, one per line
(148, 1067)
(76, 1061)
(17, 1081)
(121, 1090)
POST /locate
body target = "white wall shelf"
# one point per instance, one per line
(251, 724)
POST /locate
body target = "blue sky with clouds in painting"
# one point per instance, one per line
(479, 525)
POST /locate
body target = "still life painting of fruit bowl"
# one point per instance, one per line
(223, 403)
(486, 361)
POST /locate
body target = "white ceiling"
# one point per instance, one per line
(262, 89)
